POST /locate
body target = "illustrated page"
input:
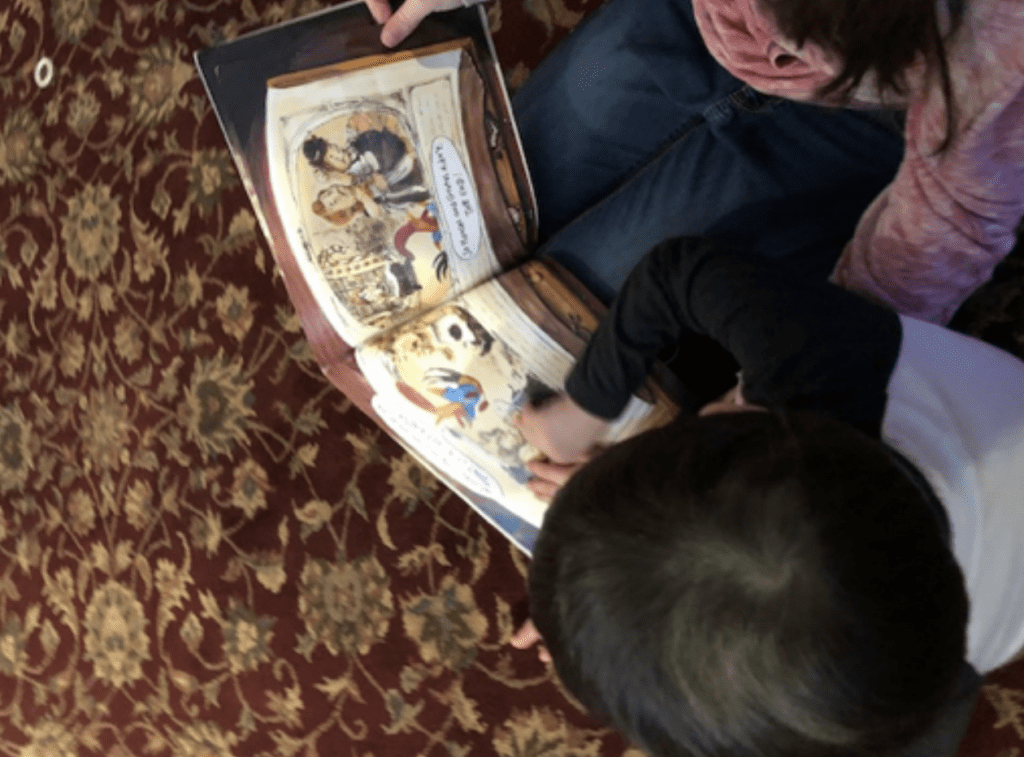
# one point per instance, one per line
(369, 170)
(451, 382)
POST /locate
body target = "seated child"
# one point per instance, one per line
(824, 573)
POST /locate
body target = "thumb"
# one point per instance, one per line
(403, 21)
(380, 10)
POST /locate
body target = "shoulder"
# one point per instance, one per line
(954, 411)
(999, 21)
(959, 392)
(985, 59)
(985, 54)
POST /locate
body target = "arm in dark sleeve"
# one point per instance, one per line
(800, 344)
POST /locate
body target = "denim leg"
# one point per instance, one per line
(635, 134)
(781, 181)
(591, 115)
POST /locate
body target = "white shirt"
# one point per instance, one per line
(956, 410)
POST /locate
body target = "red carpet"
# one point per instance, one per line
(204, 551)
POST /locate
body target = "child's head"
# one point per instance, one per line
(877, 41)
(749, 584)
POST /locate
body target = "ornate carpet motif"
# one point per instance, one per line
(204, 550)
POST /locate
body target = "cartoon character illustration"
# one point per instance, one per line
(449, 365)
(373, 294)
(505, 445)
(426, 223)
(339, 204)
(361, 174)
(426, 355)
(405, 277)
(376, 158)
(464, 395)
(450, 334)
(375, 267)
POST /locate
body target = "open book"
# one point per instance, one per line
(393, 190)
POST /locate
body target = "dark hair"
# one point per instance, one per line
(751, 583)
(884, 38)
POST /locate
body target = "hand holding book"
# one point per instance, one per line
(400, 24)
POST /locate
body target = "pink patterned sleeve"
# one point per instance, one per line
(937, 232)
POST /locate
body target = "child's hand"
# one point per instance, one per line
(561, 429)
(526, 637)
(549, 477)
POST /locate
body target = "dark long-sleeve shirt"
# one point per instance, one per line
(801, 345)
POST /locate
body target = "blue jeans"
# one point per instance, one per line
(634, 134)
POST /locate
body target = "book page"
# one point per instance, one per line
(451, 382)
(370, 171)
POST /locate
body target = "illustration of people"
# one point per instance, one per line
(374, 294)
(413, 263)
(505, 444)
(405, 277)
(340, 204)
(450, 334)
(377, 158)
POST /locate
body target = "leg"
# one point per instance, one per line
(634, 134)
(592, 115)
(777, 177)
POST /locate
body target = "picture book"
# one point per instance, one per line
(393, 190)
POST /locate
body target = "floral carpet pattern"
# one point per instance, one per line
(205, 551)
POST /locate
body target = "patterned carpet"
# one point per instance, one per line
(204, 550)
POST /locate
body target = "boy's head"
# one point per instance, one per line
(749, 584)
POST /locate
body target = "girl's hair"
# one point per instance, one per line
(752, 584)
(881, 37)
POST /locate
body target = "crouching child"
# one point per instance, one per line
(824, 562)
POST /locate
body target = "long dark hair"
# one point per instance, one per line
(870, 36)
(751, 584)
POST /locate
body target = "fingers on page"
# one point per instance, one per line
(543, 490)
(555, 473)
